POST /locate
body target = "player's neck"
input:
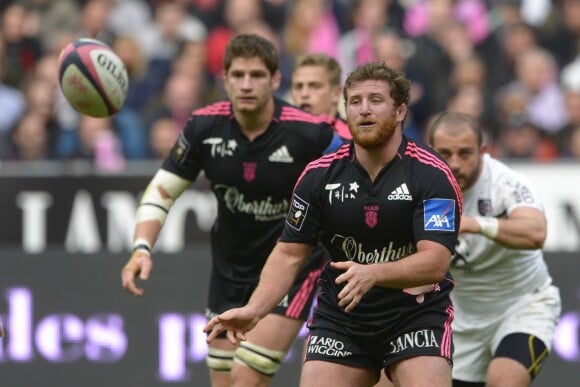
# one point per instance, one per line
(255, 123)
(374, 160)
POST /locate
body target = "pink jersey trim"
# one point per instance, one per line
(293, 114)
(300, 300)
(325, 161)
(222, 108)
(446, 340)
(426, 158)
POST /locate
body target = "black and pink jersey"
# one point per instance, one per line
(252, 180)
(415, 197)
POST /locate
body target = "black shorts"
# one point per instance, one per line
(225, 294)
(427, 335)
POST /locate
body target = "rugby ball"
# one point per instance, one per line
(92, 77)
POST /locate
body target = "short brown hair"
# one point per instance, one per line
(456, 118)
(378, 71)
(250, 46)
(329, 63)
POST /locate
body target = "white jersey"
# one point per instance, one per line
(489, 277)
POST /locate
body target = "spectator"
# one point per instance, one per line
(11, 99)
(94, 21)
(99, 144)
(30, 139)
(569, 136)
(21, 50)
(356, 45)
(162, 136)
(537, 81)
(390, 47)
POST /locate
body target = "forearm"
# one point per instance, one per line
(424, 267)
(277, 277)
(526, 233)
(157, 200)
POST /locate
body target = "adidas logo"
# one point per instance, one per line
(400, 193)
(281, 155)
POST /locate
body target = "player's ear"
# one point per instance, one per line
(224, 75)
(276, 80)
(336, 93)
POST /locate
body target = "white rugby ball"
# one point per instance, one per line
(92, 77)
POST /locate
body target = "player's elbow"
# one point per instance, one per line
(537, 239)
(438, 275)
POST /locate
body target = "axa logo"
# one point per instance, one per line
(439, 215)
(400, 193)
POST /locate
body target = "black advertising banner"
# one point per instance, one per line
(65, 237)
(87, 214)
(70, 324)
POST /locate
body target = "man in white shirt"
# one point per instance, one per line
(506, 308)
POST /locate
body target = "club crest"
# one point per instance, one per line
(371, 215)
(249, 171)
(484, 207)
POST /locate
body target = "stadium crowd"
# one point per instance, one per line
(512, 64)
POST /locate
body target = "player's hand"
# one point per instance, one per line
(1, 331)
(140, 264)
(359, 280)
(236, 322)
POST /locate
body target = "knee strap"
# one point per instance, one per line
(260, 359)
(219, 360)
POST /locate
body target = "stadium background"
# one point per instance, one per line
(69, 186)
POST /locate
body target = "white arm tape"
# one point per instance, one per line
(161, 193)
(489, 226)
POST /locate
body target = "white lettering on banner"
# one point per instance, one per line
(558, 186)
(83, 235)
(121, 207)
(59, 337)
(34, 206)
(568, 328)
(202, 204)
(83, 231)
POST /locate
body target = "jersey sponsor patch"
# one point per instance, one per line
(439, 215)
(181, 149)
(297, 213)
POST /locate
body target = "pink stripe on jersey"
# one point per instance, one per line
(293, 114)
(217, 109)
(325, 161)
(427, 158)
(300, 299)
(446, 340)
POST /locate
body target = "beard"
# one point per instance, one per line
(375, 138)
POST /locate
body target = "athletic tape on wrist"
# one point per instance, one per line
(141, 244)
(489, 226)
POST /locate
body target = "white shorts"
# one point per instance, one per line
(534, 314)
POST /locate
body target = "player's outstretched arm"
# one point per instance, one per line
(157, 200)
(276, 278)
(523, 228)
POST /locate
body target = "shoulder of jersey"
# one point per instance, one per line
(221, 109)
(289, 113)
(424, 155)
(323, 163)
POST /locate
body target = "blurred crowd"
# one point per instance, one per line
(513, 64)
